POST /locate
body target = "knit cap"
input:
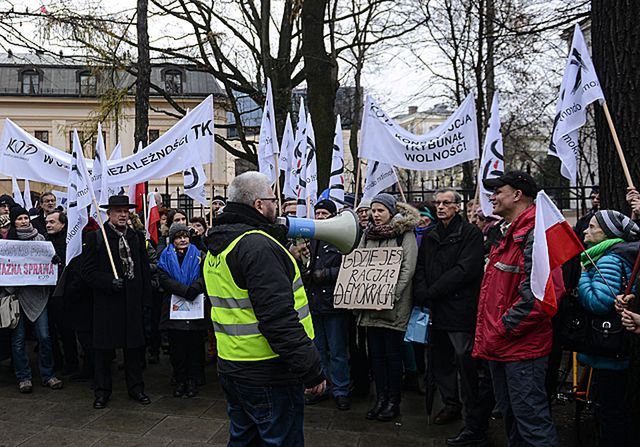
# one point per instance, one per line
(15, 212)
(616, 224)
(386, 200)
(175, 229)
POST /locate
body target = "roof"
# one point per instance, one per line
(59, 75)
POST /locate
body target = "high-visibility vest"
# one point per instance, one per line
(235, 324)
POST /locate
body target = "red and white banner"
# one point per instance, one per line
(27, 263)
(554, 243)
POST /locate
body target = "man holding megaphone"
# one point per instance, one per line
(261, 317)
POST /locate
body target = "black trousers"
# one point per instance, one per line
(385, 348)
(358, 361)
(611, 396)
(85, 338)
(133, 362)
(186, 351)
(451, 357)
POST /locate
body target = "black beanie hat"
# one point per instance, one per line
(327, 204)
(15, 212)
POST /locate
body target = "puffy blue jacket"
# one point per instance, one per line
(595, 295)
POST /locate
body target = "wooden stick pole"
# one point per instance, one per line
(616, 141)
(211, 210)
(357, 188)
(404, 199)
(278, 185)
(104, 236)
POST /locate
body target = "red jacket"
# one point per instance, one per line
(511, 323)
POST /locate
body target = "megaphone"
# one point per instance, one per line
(342, 231)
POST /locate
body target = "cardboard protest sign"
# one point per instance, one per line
(27, 263)
(367, 278)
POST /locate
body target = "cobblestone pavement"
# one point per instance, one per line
(67, 418)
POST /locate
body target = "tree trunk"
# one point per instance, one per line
(615, 32)
(144, 77)
(321, 73)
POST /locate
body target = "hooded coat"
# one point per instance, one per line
(404, 224)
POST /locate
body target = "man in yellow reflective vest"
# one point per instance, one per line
(266, 356)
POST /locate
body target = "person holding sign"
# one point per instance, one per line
(180, 272)
(33, 307)
(118, 301)
(393, 225)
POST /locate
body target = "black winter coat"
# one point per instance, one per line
(261, 266)
(117, 316)
(449, 273)
(171, 286)
(325, 262)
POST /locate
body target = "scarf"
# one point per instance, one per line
(380, 232)
(26, 233)
(185, 273)
(597, 251)
(124, 251)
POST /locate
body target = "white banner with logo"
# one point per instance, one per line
(27, 263)
(190, 142)
(379, 177)
(453, 142)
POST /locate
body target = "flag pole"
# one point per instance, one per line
(104, 236)
(278, 184)
(358, 166)
(404, 199)
(144, 207)
(601, 275)
(616, 142)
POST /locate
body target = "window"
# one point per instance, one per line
(154, 134)
(87, 83)
(42, 135)
(30, 82)
(173, 81)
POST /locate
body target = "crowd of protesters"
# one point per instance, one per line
(489, 344)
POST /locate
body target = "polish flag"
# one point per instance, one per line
(136, 195)
(153, 219)
(554, 243)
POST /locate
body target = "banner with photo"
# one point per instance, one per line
(453, 142)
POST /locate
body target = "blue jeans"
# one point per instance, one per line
(332, 340)
(19, 350)
(264, 415)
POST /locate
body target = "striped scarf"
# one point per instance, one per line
(124, 251)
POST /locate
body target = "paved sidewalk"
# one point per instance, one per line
(67, 418)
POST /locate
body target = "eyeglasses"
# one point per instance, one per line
(49, 201)
(444, 203)
(272, 199)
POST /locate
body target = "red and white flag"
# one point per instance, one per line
(153, 219)
(554, 243)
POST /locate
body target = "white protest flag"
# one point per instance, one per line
(188, 143)
(286, 157)
(451, 143)
(17, 196)
(132, 190)
(268, 143)
(299, 150)
(380, 176)
(580, 87)
(194, 184)
(116, 154)
(99, 175)
(28, 204)
(336, 180)
(492, 163)
(308, 179)
(80, 195)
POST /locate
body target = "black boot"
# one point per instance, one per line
(179, 390)
(391, 410)
(381, 402)
(192, 389)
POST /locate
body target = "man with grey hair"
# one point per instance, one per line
(447, 280)
(260, 313)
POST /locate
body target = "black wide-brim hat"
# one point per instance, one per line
(119, 200)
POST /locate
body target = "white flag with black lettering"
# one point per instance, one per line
(286, 157)
(79, 194)
(580, 87)
(100, 176)
(380, 176)
(28, 204)
(451, 143)
(268, 143)
(194, 184)
(336, 180)
(299, 149)
(492, 163)
(308, 180)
